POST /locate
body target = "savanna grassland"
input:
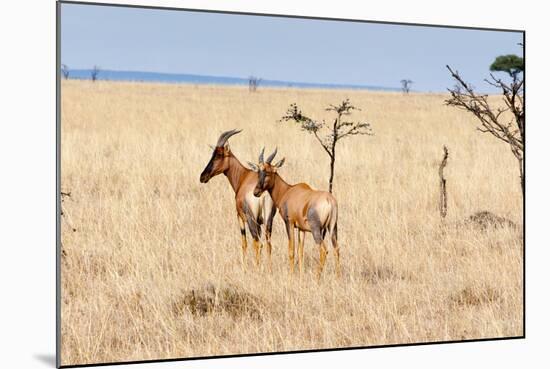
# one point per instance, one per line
(153, 269)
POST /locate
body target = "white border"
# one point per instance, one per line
(27, 147)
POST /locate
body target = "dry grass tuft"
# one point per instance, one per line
(210, 300)
(485, 219)
(381, 274)
(470, 296)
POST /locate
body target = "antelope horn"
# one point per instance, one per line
(271, 157)
(261, 158)
(252, 166)
(225, 136)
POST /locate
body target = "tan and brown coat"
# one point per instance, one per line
(301, 208)
(256, 212)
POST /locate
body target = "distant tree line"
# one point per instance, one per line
(94, 72)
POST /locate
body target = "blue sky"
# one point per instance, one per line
(286, 49)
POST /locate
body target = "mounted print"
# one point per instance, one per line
(235, 184)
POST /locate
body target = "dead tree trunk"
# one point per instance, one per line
(443, 185)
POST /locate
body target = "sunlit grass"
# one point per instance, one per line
(153, 270)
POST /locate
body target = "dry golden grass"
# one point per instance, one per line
(153, 270)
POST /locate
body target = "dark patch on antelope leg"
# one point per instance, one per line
(284, 212)
(260, 219)
(315, 225)
(269, 225)
(268, 229)
(244, 245)
(253, 225)
(284, 215)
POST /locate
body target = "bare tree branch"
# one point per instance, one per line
(493, 120)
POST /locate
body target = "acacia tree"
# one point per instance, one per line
(406, 85)
(253, 83)
(511, 64)
(95, 72)
(328, 134)
(65, 71)
(506, 123)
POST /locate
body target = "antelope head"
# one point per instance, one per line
(266, 172)
(219, 162)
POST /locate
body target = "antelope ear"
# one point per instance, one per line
(226, 149)
(280, 163)
(253, 166)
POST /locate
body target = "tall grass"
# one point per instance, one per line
(153, 270)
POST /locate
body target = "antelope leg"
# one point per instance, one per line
(337, 261)
(243, 240)
(336, 253)
(322, 258)
(290, 227)
(268, 229)
(268, 247)
(258, 248)
(301, 239)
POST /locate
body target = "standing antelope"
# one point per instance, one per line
(251, 210)
(300, 207)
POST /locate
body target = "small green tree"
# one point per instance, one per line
(511, 64)
(334, 132)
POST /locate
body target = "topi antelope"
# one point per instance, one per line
(251, 210)
(300, 207)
